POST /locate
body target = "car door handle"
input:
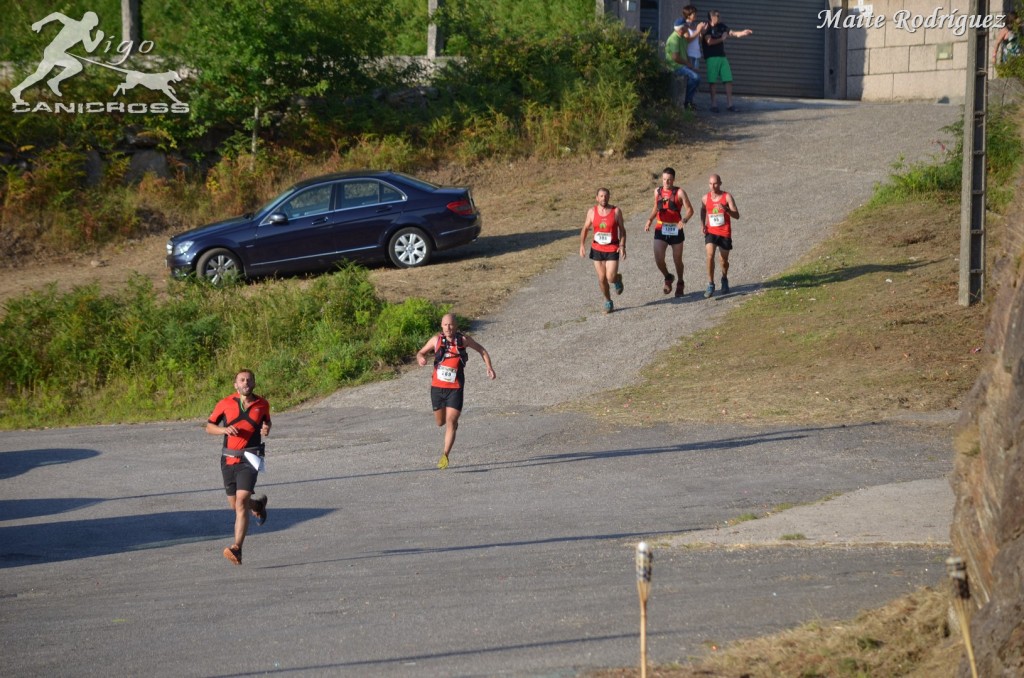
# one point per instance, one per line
(321, 220)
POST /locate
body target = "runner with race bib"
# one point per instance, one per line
(448, 378)
(672, 209)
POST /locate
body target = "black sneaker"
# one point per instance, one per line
(725, 285)
(259, 508)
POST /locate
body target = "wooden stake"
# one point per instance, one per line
(644, 560)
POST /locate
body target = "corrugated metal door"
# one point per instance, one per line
(786, 54)
(649, 19)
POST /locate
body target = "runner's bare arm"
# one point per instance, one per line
(689, 207)
(471, 343)
(215, 430)
(421, 355)
(734, 211)
(586, 227)
(621, 224)
(654, 211)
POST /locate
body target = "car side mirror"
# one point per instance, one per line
(277, 219)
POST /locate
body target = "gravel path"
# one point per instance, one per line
(796, 168)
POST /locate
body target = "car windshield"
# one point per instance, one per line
(273, 200)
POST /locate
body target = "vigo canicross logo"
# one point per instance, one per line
(63, 64)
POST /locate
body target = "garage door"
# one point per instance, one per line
(786, 54)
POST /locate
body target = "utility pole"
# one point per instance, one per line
(131, 23)
(435, 39)
(974, 179)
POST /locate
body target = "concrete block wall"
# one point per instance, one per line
(893, 59)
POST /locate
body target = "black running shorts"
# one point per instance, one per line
(446, 397)
(718, 241)
(671, 239)
(603, 256)
(238, 476)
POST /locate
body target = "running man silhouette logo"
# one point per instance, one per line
(57, 55)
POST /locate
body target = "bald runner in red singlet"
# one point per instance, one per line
(447, 381)
(717, 211)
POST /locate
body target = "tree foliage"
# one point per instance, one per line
(249, 54)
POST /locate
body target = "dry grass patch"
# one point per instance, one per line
(910, 636)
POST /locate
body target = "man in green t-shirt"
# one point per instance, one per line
(679, 63)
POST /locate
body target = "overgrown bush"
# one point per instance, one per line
(86, 357)
(941, 177)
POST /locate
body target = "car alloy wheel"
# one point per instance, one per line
(219, 266)
(409, 248)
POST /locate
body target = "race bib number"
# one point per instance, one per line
(716, 220)
(670, 229)
(447, 374)
(603, 238)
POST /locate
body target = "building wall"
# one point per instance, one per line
(877, 60)
(889, 59)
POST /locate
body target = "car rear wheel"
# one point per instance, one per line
(409, 247)
(219, 266)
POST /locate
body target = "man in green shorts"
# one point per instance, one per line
(714, 56)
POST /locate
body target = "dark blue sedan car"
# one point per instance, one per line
(353, 216)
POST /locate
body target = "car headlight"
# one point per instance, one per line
(178, 248)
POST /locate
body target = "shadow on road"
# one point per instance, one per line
(468, 652)
(54, 542)
(22, 461)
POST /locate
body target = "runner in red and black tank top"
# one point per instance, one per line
(449, 361)
(672, 209)
(668, 206)
(716, 219)
(446, 382)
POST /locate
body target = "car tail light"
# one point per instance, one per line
(462, 208)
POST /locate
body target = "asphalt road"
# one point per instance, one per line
(518, 560)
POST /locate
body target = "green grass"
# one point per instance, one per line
(742, 518)
(83, 357)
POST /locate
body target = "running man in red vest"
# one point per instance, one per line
(669, 201)
(243, 419)
(608, 244)
(717, 210)
(448, 379)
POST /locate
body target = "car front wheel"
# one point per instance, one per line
(219, 266)
(409, 247)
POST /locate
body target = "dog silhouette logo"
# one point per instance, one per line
(59, 63)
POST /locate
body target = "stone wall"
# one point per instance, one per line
(889, 59)
(988, 521)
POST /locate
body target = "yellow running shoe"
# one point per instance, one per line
(443, 461)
